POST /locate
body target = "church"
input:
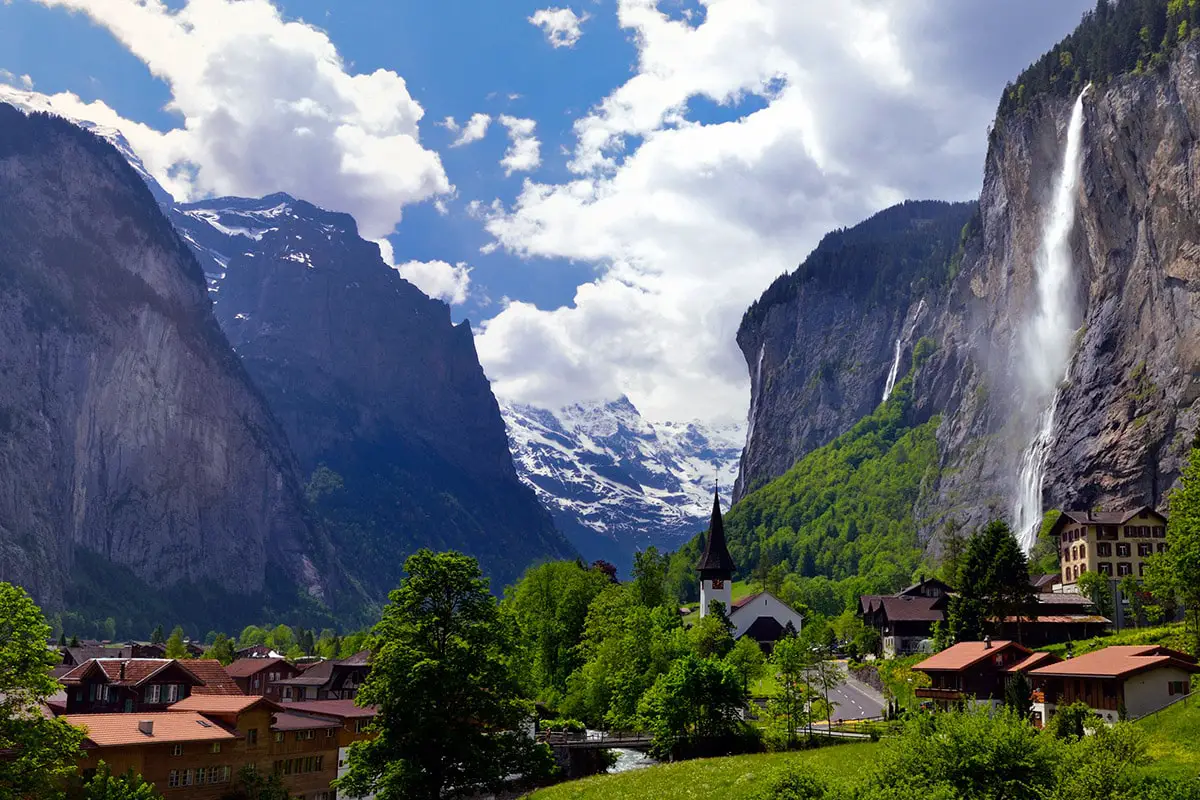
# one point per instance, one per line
(761, 616)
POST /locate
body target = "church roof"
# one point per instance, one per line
(716, 559)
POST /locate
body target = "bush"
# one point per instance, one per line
(794, 783)
(562, 725)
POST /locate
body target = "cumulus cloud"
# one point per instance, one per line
(857, 105)
(524, 150)
(12, 79)
(561, 25)
(268, 105)
(448, 282)
(474, 129)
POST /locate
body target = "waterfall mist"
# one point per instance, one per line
(1049, 334)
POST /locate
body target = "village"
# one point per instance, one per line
(197, 728)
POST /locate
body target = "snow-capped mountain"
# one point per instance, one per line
(615, 482)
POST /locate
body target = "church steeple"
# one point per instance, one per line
(716, 561)
(716, 566)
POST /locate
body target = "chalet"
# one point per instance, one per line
(261, 676)
(127, 685)
(327, 680)
(183, 753)
(74, 656)
(1115, 682)
(1055, 617)
(1115, 544)
(762, 616)
(354, 724)
(976, 671)
(906, 619)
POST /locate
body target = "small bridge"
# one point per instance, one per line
(596, 740)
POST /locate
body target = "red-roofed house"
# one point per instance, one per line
(1132, 681)
(977, 671)
(905, 619)
(214, 679)
(113, 685)
(261, 676)
(184, 754)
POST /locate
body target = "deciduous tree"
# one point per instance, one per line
(1177, 571)
(175, 646)
(106, 786)
(450, 716)
(38, 753)
(747, 660)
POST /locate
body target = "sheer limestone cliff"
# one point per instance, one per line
(130, 434)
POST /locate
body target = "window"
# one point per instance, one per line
(223, 774)
(309, 734)
(287, 693)
(187, 777)
(1076, 571)
(279, 736)
(256, 681)
(1104, 550)
(1122, 549)
(1159, 532)
(153, 693)
(173, 778)
(279, 767)
(287, 766)
(330, 733)
(176, 749)
(1124, 569)
(1145, 549)
(252, 737)
(201, 776)
(1177, 687)
(299, 736)
(1162, 548)
(317, 762)
(216, 747)
(1141, 570)
(1083, 551)
(1105, 568)
(1082, 568)
(1127, 531)
(172, 692)
(1075, 552)
(308, 763)
(360, 725)
(1066, 554)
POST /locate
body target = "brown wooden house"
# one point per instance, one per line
(975, 671)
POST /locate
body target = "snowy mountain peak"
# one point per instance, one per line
(616, 482)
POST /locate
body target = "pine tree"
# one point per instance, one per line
(157, 637)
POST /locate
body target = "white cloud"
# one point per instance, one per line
(561, 25)
(12, 79)
(474, 129)
(524, 150)
(268, 105)
(447, 282)
(859, 104)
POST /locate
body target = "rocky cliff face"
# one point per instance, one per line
(130, 431)
(822, 343)
(1126, 413)
(381, 395)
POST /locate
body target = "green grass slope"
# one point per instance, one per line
(1173, 736)
(734, 778)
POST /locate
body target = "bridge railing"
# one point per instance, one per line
(592, 738)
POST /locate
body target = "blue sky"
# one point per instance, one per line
(688, 151)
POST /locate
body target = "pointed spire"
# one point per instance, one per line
(716, 561)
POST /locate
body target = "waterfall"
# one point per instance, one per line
(894, 373)
(1049, 334)
(891, 379)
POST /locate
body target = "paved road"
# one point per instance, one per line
(854, 699)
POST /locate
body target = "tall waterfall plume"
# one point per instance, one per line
(891, 378)
(1050, 332)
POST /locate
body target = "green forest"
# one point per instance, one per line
(840, 522)
(1131, 36)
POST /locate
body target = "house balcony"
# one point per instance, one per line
(944, 695)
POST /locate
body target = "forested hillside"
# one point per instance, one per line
(1117, 38)
(840, 522)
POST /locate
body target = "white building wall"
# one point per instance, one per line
(709, 592)
(765, 605)
(1148, 691)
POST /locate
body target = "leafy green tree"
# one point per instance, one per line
(175, 646)
(1017, 692)
(222, 649)
(252, 635)
(993, 584)
(788, 708)
(1177, 571)
(697, 699)
(1096, 586)
(549, 606)
(39, 753)
(712, 635)
(449, 708)
(747, 661)
(106, 786)
(254, 785)
(281, 638)
(650, 577)
(157, 636)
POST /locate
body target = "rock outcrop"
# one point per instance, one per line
(129, 430)
(382, 396)
(1126, 415)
